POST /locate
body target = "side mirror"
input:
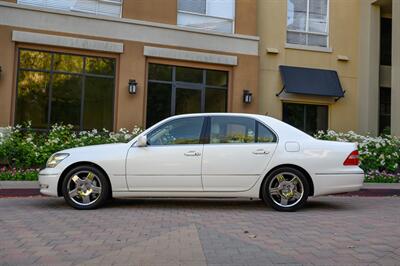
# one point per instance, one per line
(142, 141)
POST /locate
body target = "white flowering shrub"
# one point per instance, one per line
(4, 133)
(23, 148)
(379, 156)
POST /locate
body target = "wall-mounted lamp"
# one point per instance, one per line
(247, 96)
(0, 72)
(132, 86)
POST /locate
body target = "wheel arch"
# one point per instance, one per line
(83, 163)
(299, 168)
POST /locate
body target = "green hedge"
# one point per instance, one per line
(14, 174)
(379, 156)
(23, 150)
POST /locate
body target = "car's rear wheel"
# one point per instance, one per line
(85, 187)
(285, 189)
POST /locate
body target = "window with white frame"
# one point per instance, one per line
(308, 22)
(111, 8)
(215, 15)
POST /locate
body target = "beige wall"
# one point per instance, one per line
(129, 110)
(245, 17)
(7, 63)
(344, 23)
(165, 11)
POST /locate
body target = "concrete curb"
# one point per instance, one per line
(31, 188)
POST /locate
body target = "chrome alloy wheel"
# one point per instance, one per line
(286, 189)
(84, 188)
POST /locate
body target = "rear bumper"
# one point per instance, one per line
(325, 184)
(48, 181)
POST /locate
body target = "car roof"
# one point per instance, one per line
(217, 114)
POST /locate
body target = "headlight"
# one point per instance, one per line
(55, 159)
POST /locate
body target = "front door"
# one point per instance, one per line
(239, 151)
(172, 159)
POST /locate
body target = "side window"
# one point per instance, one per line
(178, 131)
(232, 130)
(264, 135)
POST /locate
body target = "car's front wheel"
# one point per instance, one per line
(85, 187)
(285, 189)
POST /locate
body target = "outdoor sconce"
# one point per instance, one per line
(247, 96)
(0, 72)
(132, 86)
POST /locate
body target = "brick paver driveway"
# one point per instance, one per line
(330, 230)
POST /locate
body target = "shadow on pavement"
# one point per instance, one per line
(234, 204)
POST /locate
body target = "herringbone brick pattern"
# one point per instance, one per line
(329, 231)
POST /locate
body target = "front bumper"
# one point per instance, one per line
(48, 181)
(325, 184)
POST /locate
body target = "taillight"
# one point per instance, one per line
(352, 159)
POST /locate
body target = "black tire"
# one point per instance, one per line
(271, 200)
(101, 180)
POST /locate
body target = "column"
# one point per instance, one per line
(395, 105)
(368, 80)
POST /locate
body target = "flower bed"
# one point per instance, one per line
(23, 151)
(379, 156)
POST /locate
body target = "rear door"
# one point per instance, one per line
(238, 152)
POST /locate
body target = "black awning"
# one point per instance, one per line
(311, 81)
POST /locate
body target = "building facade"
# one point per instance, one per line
(316, 64)
(120, 63)
(331, 64)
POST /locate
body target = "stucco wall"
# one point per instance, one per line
(131, 64)
(343, 40)
(7, 63)
(165, 11)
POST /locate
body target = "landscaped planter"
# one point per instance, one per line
(379, 156)
(23, 152)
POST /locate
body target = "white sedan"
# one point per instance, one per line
(207, 155)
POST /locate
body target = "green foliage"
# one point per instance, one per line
(23, 150)
(26, 149)
(379, 156)
(18, 175)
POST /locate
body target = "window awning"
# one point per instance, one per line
(311, 81)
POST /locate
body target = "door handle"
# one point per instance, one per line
(192, 153)
(260, 151)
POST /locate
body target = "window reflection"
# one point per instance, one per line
(66, 99)
(100, 66)
(55, 88)
(98, 109)
(215, 100)
(178, 131)
(68, 63)
(179, 90)
(232, 130)
(306, 117)
(33, 98)
(34, 60)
